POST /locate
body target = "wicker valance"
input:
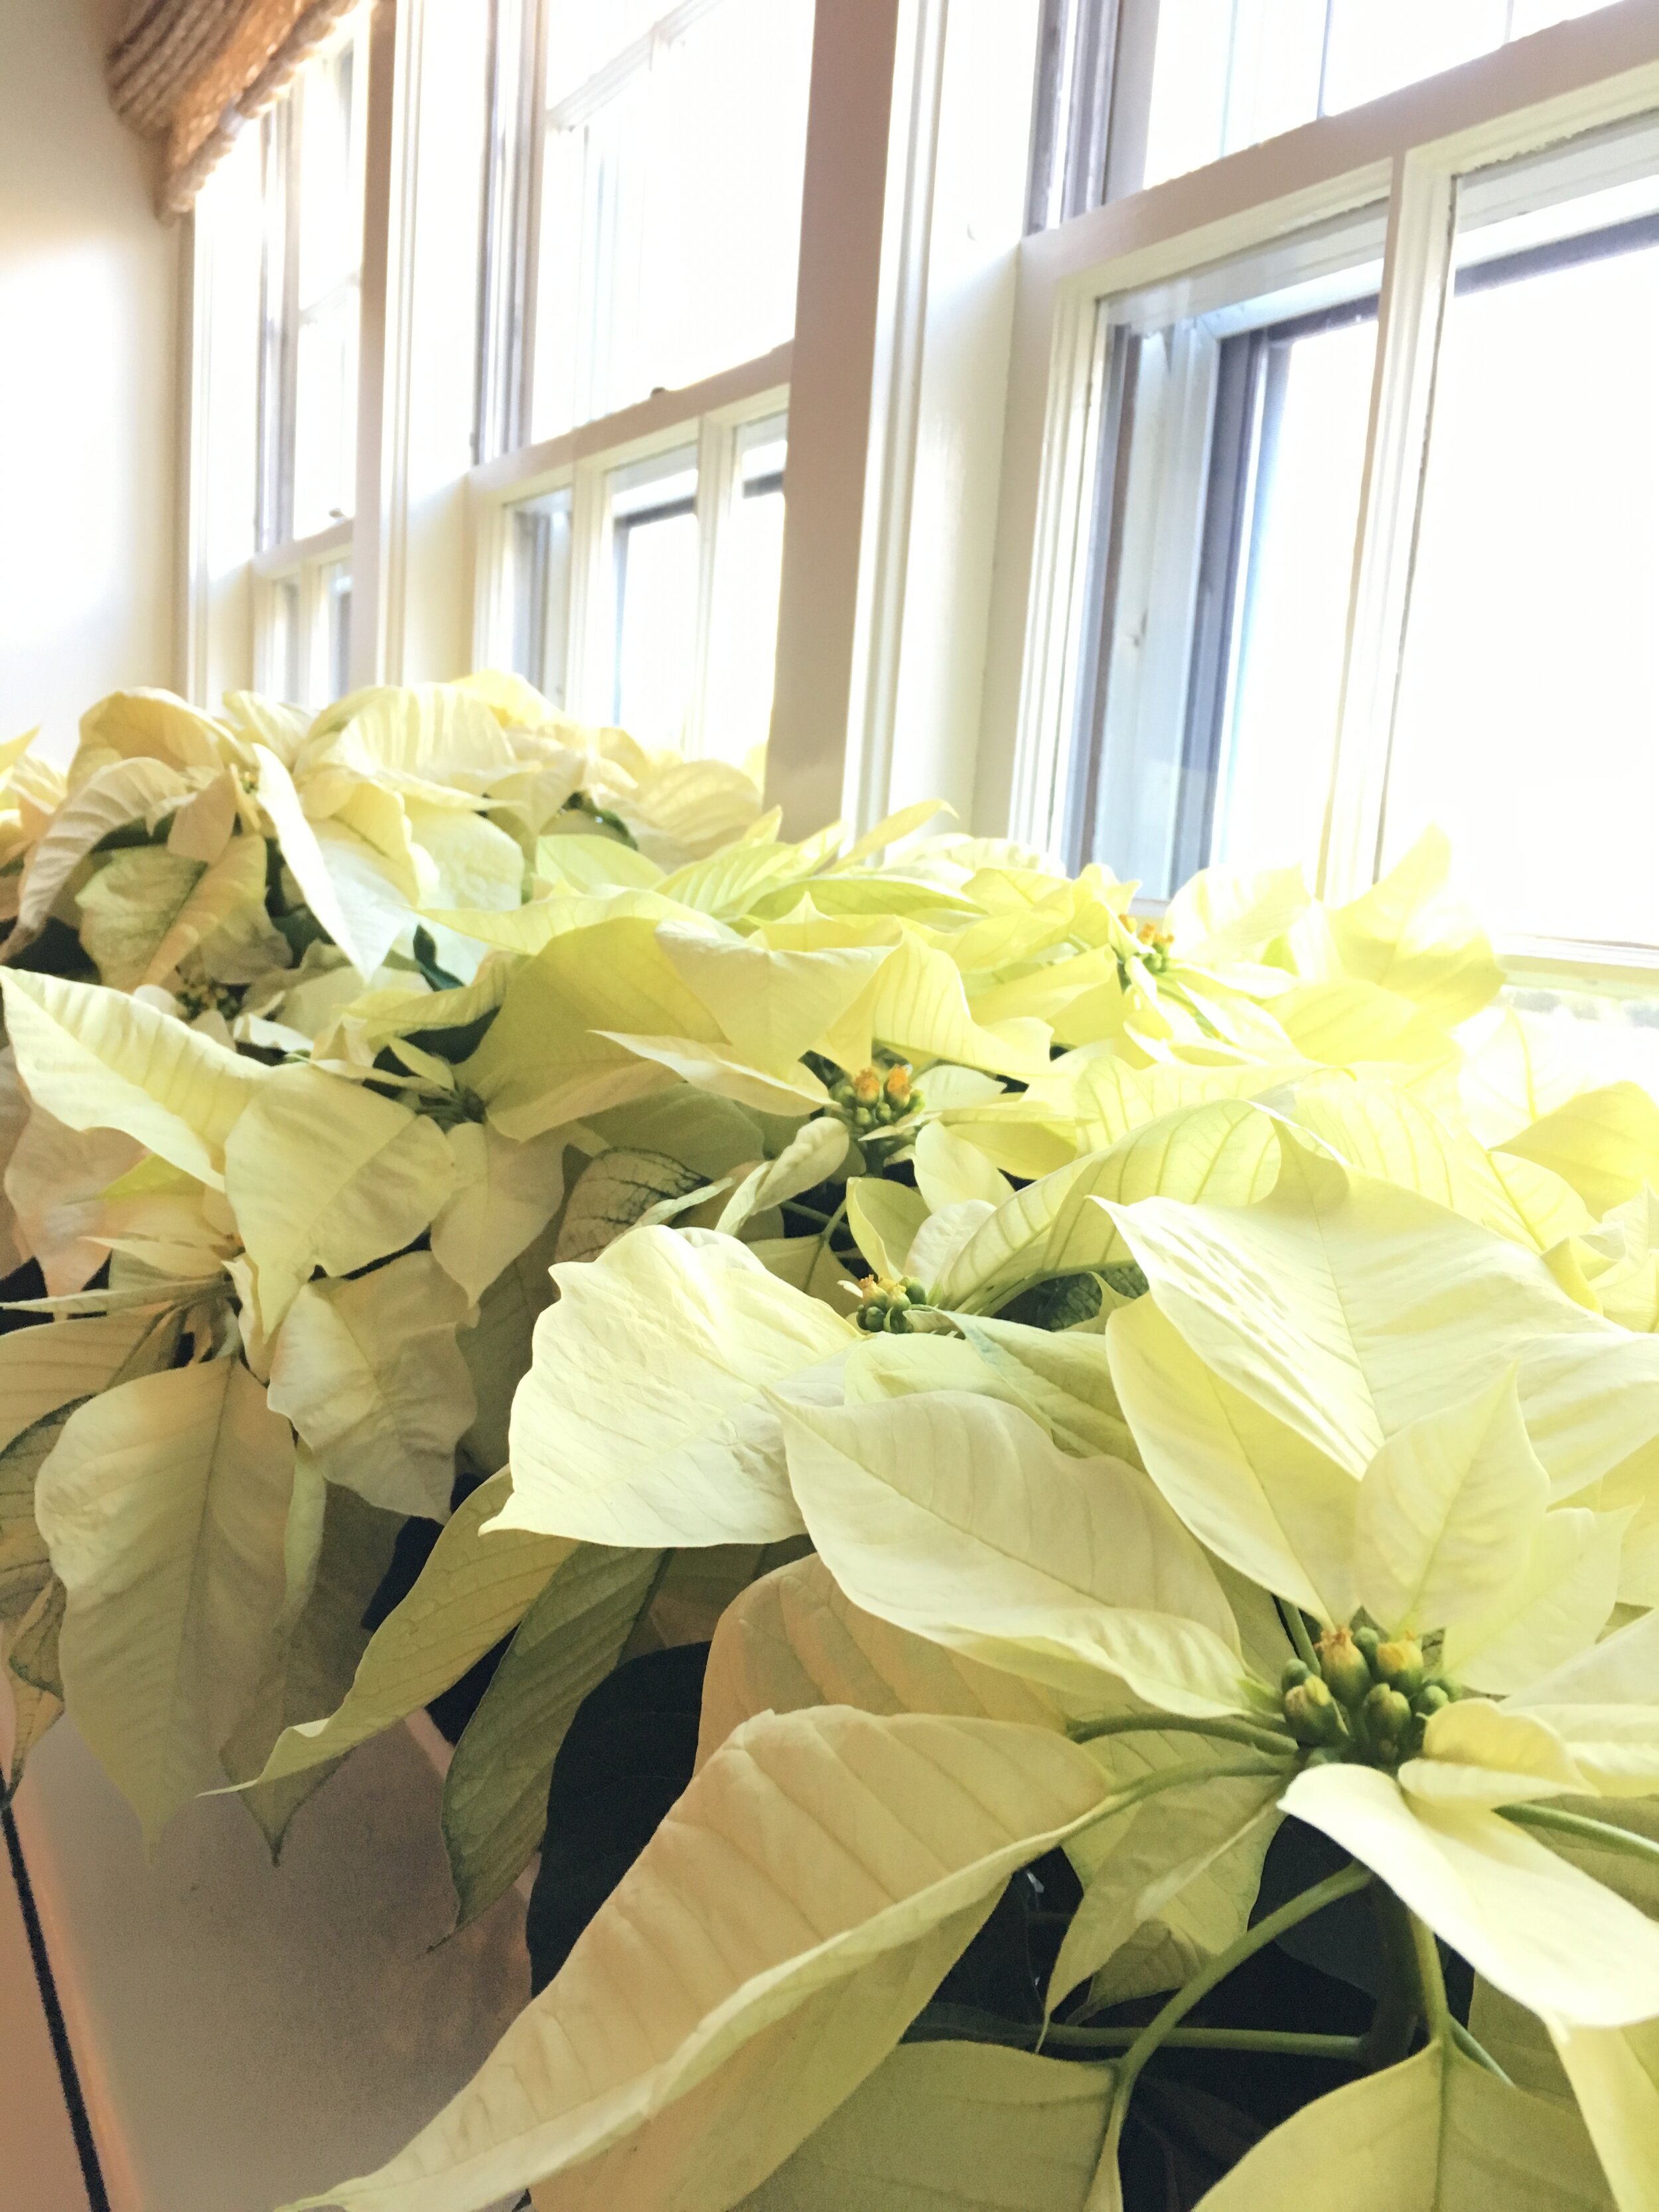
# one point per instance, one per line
(196, 70)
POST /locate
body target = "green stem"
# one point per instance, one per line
(1174, 1777)
(1102, 2194)
(1470, 2049)
(1602, 1833)
(1297, 1629)
(1284, 2041)
(1388, 2037)
(1259, 1738)
(1436, 2012)
(813, 1213)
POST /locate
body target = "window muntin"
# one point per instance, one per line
(1229, 73)
(670, 203)
(1232, 447)
(1527, 716)
(744, 645)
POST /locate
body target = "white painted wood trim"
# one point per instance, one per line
(1417, 268)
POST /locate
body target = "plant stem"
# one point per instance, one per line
(1102, 2194)
(1436, 2012)
(1174, 1777)
(1478, 2051)
(1602, 1833)
(1257, 1736)
(1284, 2041)
(1388, 2037)
(1297, 1629)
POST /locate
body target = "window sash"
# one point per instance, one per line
(1570, 82)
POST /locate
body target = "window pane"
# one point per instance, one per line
(1233, 442)
(1527, 721)
(670, 215)
(654, 539)
(1229, 73)
(540, 554)
(335, 584)
(750, 560)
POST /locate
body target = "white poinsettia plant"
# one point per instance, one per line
(1193, 1374)
(1229, 1434)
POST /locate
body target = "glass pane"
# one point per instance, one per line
(1290, 630)
(327, 209)
(1229, 73)
(335, 582)
(540, 554)
(654, 538)
(670, 217)
(739, 711)
(1233, 447)
(288, 640)
(1527, 721)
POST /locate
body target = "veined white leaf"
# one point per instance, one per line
(637, 1422)
(165, 1506)
(704, 2026)
(369, 1372)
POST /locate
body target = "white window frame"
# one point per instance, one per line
(708, 416)
(1409, 149)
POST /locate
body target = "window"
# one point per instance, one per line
(1345, 520)
(1232, 449)
(670, 205)
(641, 258)
(1530, 695)
(313, 170)
(1229, 73)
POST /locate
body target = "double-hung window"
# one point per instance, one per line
(1346, 491)
(633, 425)
(310, 153)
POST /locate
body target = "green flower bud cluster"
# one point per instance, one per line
(204, 996)
(888, 1303)
(1153, 945)
(1368, 1700)
(875, 1098)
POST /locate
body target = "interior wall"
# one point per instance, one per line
(88, 338)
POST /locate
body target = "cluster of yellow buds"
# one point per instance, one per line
(875, 1098)
(887, 1301)
(1368, 1701)
(1153, 944)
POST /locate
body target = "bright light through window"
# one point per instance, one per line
(744, 648)
(540, 557)
(654, 540)
(671, 204)
(1279, 714)
(1529, 716)
(1229, 73)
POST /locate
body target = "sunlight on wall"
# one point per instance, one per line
(88, 307)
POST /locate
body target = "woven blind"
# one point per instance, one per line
(196, 70)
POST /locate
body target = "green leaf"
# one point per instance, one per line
(369, 1372)
(963, 2125)
(611, 1192)
(497, 1348)
(99, 1060)
(640, 1421)
(495, 1802)
(32, 1669)
(956, 1517)
(702, 2027)
(473, 1589)
(25, 1564)
(1438, 2133)
(165, 1506)
(315, 1667)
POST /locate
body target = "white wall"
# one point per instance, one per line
(88, 323)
